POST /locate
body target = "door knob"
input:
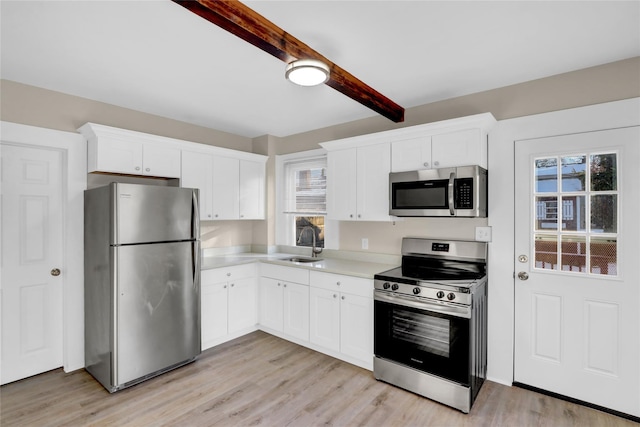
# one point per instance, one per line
(523, 275)
(55, 272)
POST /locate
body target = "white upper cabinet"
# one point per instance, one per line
(122, 151)
(252, 189)
(456, 142)
(238, 188)
(226, 188)
(197, 172)
(357, 183)
(411, 154)
(461, 148)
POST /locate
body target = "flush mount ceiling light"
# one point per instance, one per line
(307, 72)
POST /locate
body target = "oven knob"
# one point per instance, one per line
(451, 296)
(416, 291)
(394, 287)
(440, 294)
(386, 285)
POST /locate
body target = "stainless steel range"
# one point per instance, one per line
(430, 330)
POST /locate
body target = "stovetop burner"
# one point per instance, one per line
(429, 266)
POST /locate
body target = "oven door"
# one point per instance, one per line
(430, 337)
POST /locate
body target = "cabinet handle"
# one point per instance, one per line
(285, 285)
(338, 283)
(436, 163)
(342, 296)
(334, 295)
(359, 216)
(228, 274)
(426, 164)
(225, 286)
(350, 215)
(148, 170)
(209, 216)
(278, 283)
(233, 284)
(137, 168)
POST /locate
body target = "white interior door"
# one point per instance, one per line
(32, 260)
(577, 266)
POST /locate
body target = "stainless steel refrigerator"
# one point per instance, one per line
(142, 281)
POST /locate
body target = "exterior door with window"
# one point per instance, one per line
(577, 297)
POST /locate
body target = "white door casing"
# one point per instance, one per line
(69, 149)
(577, 293)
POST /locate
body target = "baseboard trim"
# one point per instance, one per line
(577, 401)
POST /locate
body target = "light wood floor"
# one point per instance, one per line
(263, 380)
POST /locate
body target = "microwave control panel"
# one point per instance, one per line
(463, 193)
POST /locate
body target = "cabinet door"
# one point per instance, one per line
(161, 161)
(374, 165)
(271, 303)
(226, 180)
(341, 184)
(114, 155)
(213, 313)
(242, 304)
(411, 154)
(324, 321)
(252, 182)
(356, 327)
(197, 172)
(296, 310)
(458, 149)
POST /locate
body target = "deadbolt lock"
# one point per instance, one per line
(523, 258)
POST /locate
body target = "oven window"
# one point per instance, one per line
(415, 195)
(432, 334)
(427, 341)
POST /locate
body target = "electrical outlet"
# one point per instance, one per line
(483, 234)
(365, 243)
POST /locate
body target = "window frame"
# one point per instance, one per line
(285, 222)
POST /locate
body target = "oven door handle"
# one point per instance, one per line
(450, 310)
(452, 178)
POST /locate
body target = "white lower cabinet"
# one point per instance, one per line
(228, 303)
(341, 309)
(284, 300)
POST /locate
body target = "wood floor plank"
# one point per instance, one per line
(262, 380)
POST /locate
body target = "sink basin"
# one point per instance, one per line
(302, 259)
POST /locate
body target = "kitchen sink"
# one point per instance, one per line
(302, 259)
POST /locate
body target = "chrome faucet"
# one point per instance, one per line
(314, 251)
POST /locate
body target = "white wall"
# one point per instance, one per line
(501, 210)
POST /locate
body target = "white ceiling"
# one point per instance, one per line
(157, 57)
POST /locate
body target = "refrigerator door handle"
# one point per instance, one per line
(195, 215)
(196, 264)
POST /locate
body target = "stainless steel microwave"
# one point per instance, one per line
(445, 192)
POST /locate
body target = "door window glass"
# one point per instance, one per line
(575, 226)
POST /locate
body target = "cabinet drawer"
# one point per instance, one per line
(225, 274)
(288, 274)
(341, 283)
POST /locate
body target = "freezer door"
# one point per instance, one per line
(157, 307)
(148, 213)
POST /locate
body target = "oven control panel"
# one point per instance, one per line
(422, 292)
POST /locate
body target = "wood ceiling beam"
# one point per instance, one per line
(236, 18)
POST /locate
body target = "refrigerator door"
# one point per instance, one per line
(157, 307)
(147, 213)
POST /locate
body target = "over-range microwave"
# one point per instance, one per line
(446, 192)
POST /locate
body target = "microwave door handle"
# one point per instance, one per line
(452, 177)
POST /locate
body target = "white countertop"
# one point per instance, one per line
(329, 265)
